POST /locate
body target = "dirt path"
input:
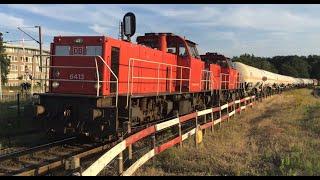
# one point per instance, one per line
(280, 136)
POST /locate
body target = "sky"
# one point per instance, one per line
(262, 30)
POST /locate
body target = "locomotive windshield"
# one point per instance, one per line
(193, 50)
(78, 50)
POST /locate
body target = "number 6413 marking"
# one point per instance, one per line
(76, 76)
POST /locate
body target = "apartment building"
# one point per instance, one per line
(23, 63)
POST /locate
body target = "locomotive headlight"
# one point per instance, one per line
(55, 84)
(40, 110)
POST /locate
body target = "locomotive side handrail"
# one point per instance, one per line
(131, 76)
(224, 77)
(209, 83)
(96, 67)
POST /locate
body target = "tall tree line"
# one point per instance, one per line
(295, 66)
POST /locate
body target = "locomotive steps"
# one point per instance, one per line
(278, 137)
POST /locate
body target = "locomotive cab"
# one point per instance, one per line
(82, 86)
(229, 75)
(170, 43)
(186, 56)
(215, 58)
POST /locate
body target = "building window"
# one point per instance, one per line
(13, 76)
(13, 58)
(22, 68)
(13, 67)
(9, 50)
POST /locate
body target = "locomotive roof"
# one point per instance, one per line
(169, 34)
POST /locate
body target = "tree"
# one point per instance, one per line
(258, 62)
(4, 61)
(295, 66)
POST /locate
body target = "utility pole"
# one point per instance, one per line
(1, 36)
(0, 76)
(40, 47)
(1, 72)
(39, 41)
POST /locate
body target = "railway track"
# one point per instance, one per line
(46, 158)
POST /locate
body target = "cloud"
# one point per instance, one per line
(99, 29)
(10, 20)
(260, 17)
(88, 14)
(232, 29)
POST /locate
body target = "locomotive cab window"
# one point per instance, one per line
(94, 50)
(194, 51)
(183, 51)
(62, 50)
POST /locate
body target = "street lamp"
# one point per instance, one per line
(0, 68)
(39, 41)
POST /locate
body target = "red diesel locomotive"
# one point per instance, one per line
(97, 84)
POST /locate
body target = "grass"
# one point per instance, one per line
(280, 136)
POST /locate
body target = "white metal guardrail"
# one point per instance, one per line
(236, 107)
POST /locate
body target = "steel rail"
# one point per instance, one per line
(33, 149)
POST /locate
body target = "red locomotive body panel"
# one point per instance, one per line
(196, 75)
(230, 76)
(73, 65)
(216, 72)
(145, 71)
(234, 80)
(140, 69)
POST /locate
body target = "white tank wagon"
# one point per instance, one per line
(307, 81)
(260, 80)
(255, 78)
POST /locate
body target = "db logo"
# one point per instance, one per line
(77, 50)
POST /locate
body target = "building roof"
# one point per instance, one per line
(25, 46)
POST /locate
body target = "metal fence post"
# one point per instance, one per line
(228, 112)
(205, 121)
(240, 104)
(234, 108)
(196, 130)
(154, 145)
(180, 131)
(120, 161)
(130, 146)
(212, 119)
(220, 115)
(18, 104)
